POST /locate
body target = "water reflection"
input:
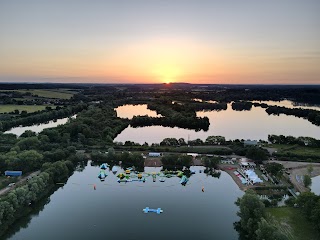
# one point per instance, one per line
(315, 187)
(128, 111)
(255, 124)
(290, 104)
(76, 211)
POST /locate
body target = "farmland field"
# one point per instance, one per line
(28, 108)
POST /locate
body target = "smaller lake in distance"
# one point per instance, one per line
(290, 104)
(39, 127)
(254, 124)
(127, 111)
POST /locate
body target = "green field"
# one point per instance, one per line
(49, 93)
(293, 223)
(296, 149)
(28, 108)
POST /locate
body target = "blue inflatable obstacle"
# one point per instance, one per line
(104, 166)
(102, 175)
(138, 180)
(124, 180)
(184, 180)
(147, 210)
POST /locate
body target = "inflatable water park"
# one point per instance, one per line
(157, 211)
(129, 175)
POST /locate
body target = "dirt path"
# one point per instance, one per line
(22, 180)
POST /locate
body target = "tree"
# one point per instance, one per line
(307, 202)
(268, 231)
(274, 168)
(28, 143)
(310, 169)
(28, 133)
(307, 180)
(111, 153)
(256, 154)
(251, 211)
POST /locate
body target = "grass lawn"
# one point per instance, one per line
(293, 223)
(49, 93)
(28, 108)
(296, 149)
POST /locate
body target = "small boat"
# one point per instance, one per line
(147, 210)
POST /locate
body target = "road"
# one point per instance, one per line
(22, 180)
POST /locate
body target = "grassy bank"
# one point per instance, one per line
(296, 152)
(293, 223)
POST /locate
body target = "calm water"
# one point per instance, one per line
(127, 111)
(315, 187)
(254, 124)
(290, 104)
(39, 127)
(114, 210)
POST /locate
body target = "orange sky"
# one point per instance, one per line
(143, 42)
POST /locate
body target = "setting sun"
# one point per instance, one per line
(167, 73)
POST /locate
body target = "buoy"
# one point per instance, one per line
(94, 186)
(202, 189)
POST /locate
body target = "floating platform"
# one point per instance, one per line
(104, 166)
(184, 180)
(124, 180)
(147, 210)
(114, 169)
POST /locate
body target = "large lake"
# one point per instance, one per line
(255, 124)
(114, 210)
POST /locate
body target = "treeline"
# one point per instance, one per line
(175, 161)
(41, 117)
(311, 115)
(290, 140)
(305, 94)
(127, 159)
(176, 120)
(241, 106)
(28, 152)
(98, 125)
(15, 204)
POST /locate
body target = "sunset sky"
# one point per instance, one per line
(157, 41)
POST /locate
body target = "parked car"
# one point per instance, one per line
(11, 184)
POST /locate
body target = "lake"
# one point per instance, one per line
(114, 210)
(255, 124)
(315, 186)
(290, 104)
(39, 127)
